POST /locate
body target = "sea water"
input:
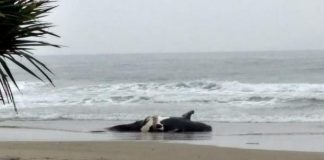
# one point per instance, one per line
(220, 87)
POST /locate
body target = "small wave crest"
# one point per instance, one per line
(200, 91)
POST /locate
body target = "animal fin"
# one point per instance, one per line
(188, 115)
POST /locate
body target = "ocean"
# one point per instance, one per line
(220, 87)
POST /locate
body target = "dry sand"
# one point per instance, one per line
(126, 150)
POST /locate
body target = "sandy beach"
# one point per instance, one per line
(69, 140)
(138, 150)
(305, 137)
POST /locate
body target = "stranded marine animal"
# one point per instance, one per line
(164, 124)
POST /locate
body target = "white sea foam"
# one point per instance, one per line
(173, 92)
(218, 101)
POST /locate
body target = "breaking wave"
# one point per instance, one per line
(216, 101)
(174, 92)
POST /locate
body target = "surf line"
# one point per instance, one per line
(42, 128)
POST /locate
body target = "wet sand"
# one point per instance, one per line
(73, 140)
(128, 150)
(307, 137)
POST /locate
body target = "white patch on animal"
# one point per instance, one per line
(157, 121)
(148, 124)
(153, 121)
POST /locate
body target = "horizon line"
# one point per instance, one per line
(198, 52)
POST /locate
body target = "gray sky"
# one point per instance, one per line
(145, 26)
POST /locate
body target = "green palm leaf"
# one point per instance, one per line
(20, 24)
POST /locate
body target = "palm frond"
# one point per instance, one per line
(20, 24)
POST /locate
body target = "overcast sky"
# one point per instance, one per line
(155, 26)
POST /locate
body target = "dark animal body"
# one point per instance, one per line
(164, 124)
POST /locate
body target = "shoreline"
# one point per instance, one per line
(128, 150)
(265, 136)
